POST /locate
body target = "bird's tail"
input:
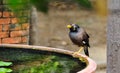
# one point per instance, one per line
(86, 50)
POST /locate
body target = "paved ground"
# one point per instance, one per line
(99, 55)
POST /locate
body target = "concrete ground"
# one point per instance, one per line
(99, 56)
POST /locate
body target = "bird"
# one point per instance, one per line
(79, 37)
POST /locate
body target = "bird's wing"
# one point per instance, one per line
(83, 37)
(82, 34)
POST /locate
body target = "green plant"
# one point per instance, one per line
(52, 64)
(15, 5)
(3, 65)
(42, 5)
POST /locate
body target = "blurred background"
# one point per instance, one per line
(49, 26)
(49, 19)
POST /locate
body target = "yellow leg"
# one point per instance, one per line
(82, 59)
(81, 48)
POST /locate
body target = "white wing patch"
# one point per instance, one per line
(84, 42)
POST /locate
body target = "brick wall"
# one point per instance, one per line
(14, 22)
(12, 31)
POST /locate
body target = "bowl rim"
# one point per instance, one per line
(91, 65)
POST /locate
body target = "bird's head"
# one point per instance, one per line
(73, 27)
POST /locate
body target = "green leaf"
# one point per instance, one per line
(5, 70)
(5, 63)
(56, 64)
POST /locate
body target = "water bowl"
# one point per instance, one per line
(40, 59)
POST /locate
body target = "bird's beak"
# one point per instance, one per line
(69, 26)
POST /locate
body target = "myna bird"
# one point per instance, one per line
(79, 37)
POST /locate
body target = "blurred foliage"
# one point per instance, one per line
(49, 67)
(42, 5)
(84, 3)
(3, 65)
(54, 64)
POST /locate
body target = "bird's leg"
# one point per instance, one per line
(81, 48)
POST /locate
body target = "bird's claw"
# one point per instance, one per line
(75, 53)
(82, 59)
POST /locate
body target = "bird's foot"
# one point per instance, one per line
(75, 53)
(82, 59)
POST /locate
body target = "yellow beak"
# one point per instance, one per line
(69, 26)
